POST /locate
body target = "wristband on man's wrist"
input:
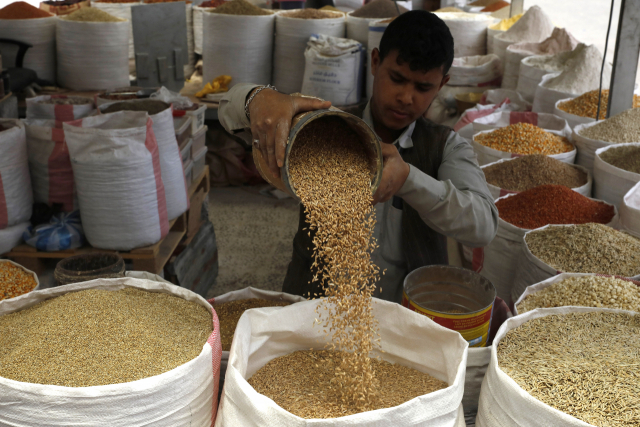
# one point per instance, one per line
(253, 95)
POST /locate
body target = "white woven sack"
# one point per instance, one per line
(501, 119)
(488, 155)
(491, 33)
(587, 147)
(479, 70)
(62, 113)
(469, 32)
(630, 212)
(512, 62)
(612, 183)
(11, 237)
(116, 167)
(198, 30)
(41, 34)
(496, 192)
(545, 99)
(332, 56)
(358, 28)
(292, 35)
(572, 119)
(376, 30)
(16, 197)
(529, 77)
(120, 10)
(530, 269)
(184, 396)
(247, 293)
(175, 185)
(238, 46)
(500, 47)
(503, 402)
(50, 165)
(264, 334)
(477, 363)
(92, 55)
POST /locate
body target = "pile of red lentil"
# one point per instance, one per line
(552, 204)
(14, 281)
(22, 10)
(524, 138)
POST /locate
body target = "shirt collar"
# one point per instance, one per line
(404, 140)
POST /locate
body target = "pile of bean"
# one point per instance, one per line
(310, 14)
(625, 158)
(22, 10)
(552, 204)
(70, 100)
(623, 127)
(523, 173)
(97, 337)
(582, 364)
(585, 291)
(151, 107)
(91, 14)
(14, 281)
(379, 9)
(586, 248)
(300, 383)
(524, 138)
(586, 105)
(240, 7)
(229, 314)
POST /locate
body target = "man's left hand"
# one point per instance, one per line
(394, 174)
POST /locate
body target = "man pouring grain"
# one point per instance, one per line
(431, 184)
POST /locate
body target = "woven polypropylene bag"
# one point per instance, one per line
(469, 32)
(123, 11)
(184, 396)
(41, 35)
(545, 98)
(376, 30)
(37, 109)
(16, 197)
(264, 334)
(587, 147)
(501, 119)
(630, 211)
(610, 182)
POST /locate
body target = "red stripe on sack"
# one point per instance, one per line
(523, 117)
(4, 214)
(216, 355)
(60, 175)
(63, 113)
(57, 135)
(152, 145)
(477, 260)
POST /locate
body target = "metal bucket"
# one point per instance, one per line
(368, 139)
(453, 297)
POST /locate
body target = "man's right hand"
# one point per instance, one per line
(271, 113)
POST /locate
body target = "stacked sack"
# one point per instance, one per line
(357, 25)
(500, 28)
(533, 27)
(121, 9)
(469, 32)
(16, 197)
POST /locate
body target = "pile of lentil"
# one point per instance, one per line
(211, 3)
(310, 14)
(583, 364)
(586, 291)
(97, 337)
(91, 14)
(329, 170)
(625, 158)
(552, 204)
(523, 173)
(379, 9)
(229, 314)
(14, 281)
(524, 138)
(586, 248)
(70, 100)
(331, 8)
(300, 382)
(151, 107)
(623, 127)
(586, 105)
(240, 7)
(119, 1)
(22, 10)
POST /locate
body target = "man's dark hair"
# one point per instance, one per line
(422, 40)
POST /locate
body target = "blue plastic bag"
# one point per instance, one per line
(64, 231)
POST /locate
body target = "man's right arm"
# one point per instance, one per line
(231, 111)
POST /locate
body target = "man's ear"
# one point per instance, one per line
(375, 61)
(444, 81)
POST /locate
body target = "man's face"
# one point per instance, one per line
(400, 95)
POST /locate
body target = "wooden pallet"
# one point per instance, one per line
(149, 258)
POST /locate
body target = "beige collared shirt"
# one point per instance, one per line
(457, 204)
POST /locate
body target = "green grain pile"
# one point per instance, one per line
(379, 9)
(625, 158)
(97, 337)
(310, 14)
(91, 14)
(240, 7)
